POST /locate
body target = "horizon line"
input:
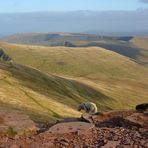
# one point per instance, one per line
(85, 10)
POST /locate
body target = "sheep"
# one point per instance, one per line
(88, 107)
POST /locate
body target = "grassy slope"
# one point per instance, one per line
(121, 45)
(110, 73)
(142, 43)
(40, 95)
(128, 46)
(57, 38)
(135, 48)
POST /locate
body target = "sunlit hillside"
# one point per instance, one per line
(142, 43)
(77, 75)
(44, 96)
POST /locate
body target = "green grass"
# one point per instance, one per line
(129, 46)
(29, 89)
(11, 132)
(54, 80)
(77, 62)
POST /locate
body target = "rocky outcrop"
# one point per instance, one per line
(68, 44)
(102, 130)
(4, 57)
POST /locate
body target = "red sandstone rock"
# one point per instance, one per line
(127, 129)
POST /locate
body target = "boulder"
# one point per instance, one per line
(70, 127)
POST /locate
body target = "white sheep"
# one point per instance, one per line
(88, 107)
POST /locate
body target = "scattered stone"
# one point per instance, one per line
(111, 144)
(116, 130)
(126, 141)
(64, 142)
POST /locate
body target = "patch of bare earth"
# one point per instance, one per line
(14, 123)
(118, 129)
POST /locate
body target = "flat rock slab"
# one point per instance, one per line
(70, 127)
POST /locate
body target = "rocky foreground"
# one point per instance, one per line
(116, 129)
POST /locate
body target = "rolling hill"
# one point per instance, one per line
(59, 38)
(43, 96)
(52, 81)
(141, 42)
(123, 45)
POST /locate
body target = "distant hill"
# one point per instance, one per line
(122, 45)
(141, 42)
(54, 39)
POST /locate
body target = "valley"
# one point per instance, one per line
(44, 84)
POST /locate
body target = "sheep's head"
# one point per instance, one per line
(80, 107)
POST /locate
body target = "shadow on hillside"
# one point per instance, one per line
(71, 90)
(118, 48)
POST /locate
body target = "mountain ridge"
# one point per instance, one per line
(124, 45)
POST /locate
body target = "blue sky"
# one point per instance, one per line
(70, 5)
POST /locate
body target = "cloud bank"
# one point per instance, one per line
(105, 22)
